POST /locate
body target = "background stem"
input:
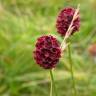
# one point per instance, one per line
(71, 70)
(52, 84)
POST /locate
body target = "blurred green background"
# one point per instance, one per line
(21, 23)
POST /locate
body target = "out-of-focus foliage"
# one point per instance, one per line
(21, 22)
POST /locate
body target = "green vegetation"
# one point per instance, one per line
(21, 22)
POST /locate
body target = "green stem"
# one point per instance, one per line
(52, 84)
(51, 88)
(72, 73)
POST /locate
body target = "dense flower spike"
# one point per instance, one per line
(47, 52)
(64, 19)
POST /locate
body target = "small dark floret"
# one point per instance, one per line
(47, 52)
(64, 19)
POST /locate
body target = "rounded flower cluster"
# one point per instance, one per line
(47, 52)
(64, 19)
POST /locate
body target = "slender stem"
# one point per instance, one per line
(52, 84)
(72, 73)
(51, 88)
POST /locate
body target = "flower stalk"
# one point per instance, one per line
(53, 86)
(71, 70)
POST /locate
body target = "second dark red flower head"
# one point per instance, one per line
(64, 19)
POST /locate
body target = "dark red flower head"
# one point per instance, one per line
(64, 19)
(47, 52)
